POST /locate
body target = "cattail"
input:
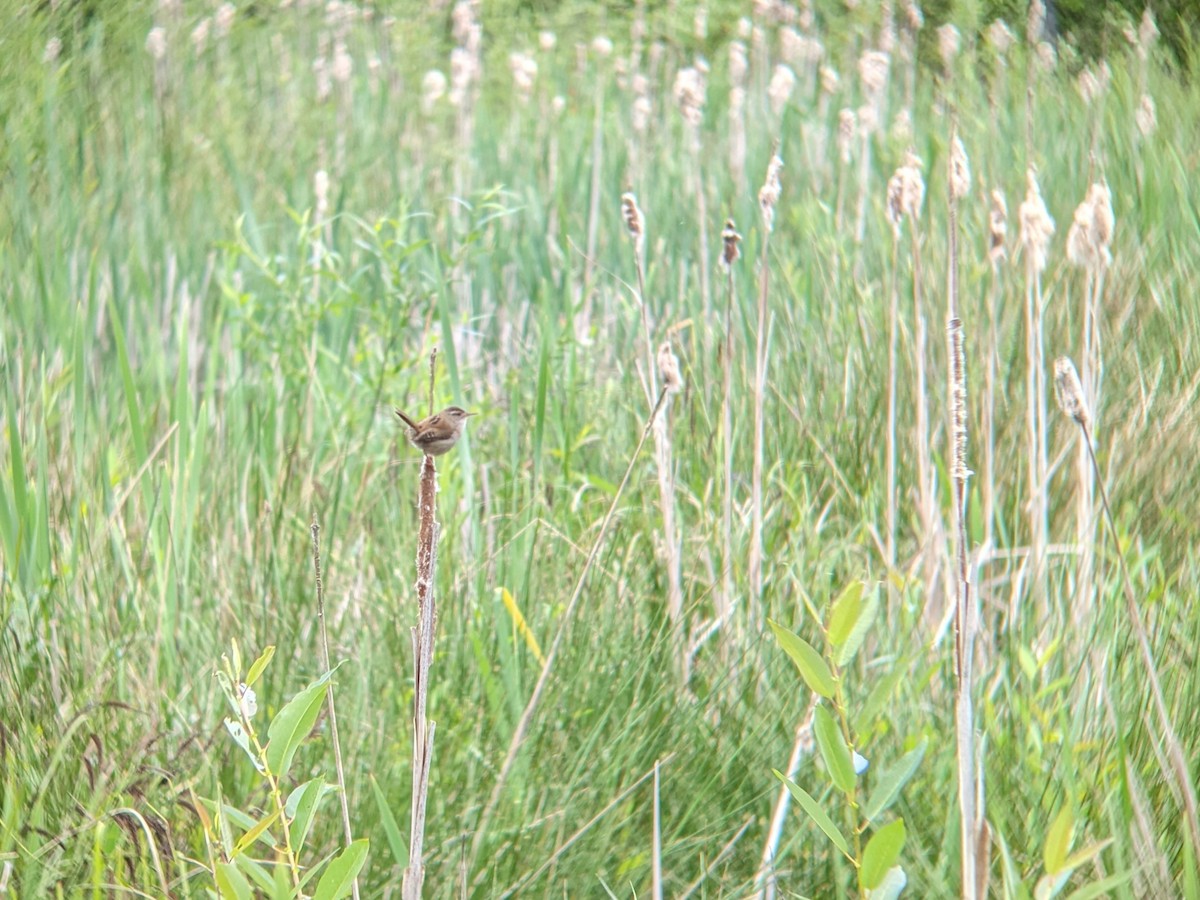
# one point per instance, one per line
(739, 64)
(52, 51)
(829, 79)
(1036, 22)
(768, 195)
(323, 78)
(745, 27)
(462, 73)
(156, 43)
(1093, 83)
(547, 40)
(200, 36)
(223, 20)
(689, 92)
(902, 127)
(633, 220)
(960, 170)
(602, 46)
(641, 113)
(1047, 58)
(949, 43)
(1101, 199)
(433, 88)
(997, 227)
(1090, 235)
(730, 240)
(343, 64)
(1000, 37)
(1146, 116)
(1069, 391)
(700, 23)
(905, 192)
(958, 400)
(783, 80)
(847, 127)
(559, 103)
(1036, 226)
(321, 190)
(914, 19)
(668, 369)
(524, 69)
(873, 70)
(868, 119)
(1147, 34)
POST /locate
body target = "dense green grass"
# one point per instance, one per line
(184, 389)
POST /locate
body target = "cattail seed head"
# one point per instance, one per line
(949, 43)
(1036, 226)
(1036, 22)
(433, 88)
(730, 239)
(779, 91)
(156, 43)
(997, 227)
(1069, 391)
(633, 220)
(873, 68)
(1146, 116)
(960, 170)
(1001, 38)
(668, 369)
(690, 94)
(847, 126)
(768, 194)
(53, 49)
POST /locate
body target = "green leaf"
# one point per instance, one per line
(1058, 841)
(1105, 888)
(862, 626)
(395, 839)
(892, 780)
(301, 804)
(816, 813)
(812, 667)
(833, 749)
(292, 724)
(340, 874)
(232, 884)
(254, 833)
(238, 733)
(845, 612)
(259, 665)
(881, 853)
(881, 693)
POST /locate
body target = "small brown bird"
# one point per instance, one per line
(439, 433)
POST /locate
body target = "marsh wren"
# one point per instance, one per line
(439, 433)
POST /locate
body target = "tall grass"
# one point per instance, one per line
(197, 353)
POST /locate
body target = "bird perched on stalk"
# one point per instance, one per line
(439, 433)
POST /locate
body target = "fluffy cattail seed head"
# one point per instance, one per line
(1069, 391)
(768, 194)
(1036, 226)
(997, 227)
(730, 240)
(847, 126)
(633, 220)
(1146, 116)
(668, 369)
(960, 170)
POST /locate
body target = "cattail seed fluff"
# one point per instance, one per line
(668, 369)
(1069, 391)
(730, 240)
(633, 220)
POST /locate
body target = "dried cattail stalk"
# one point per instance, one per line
(768, 195)
(156, 43)
(1147, 34)
(960, 170)
(730, 240)
(997, 227)
(433, 88)
(1036, 226)
(668, 369)
(1069, 391)
(633, 221)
